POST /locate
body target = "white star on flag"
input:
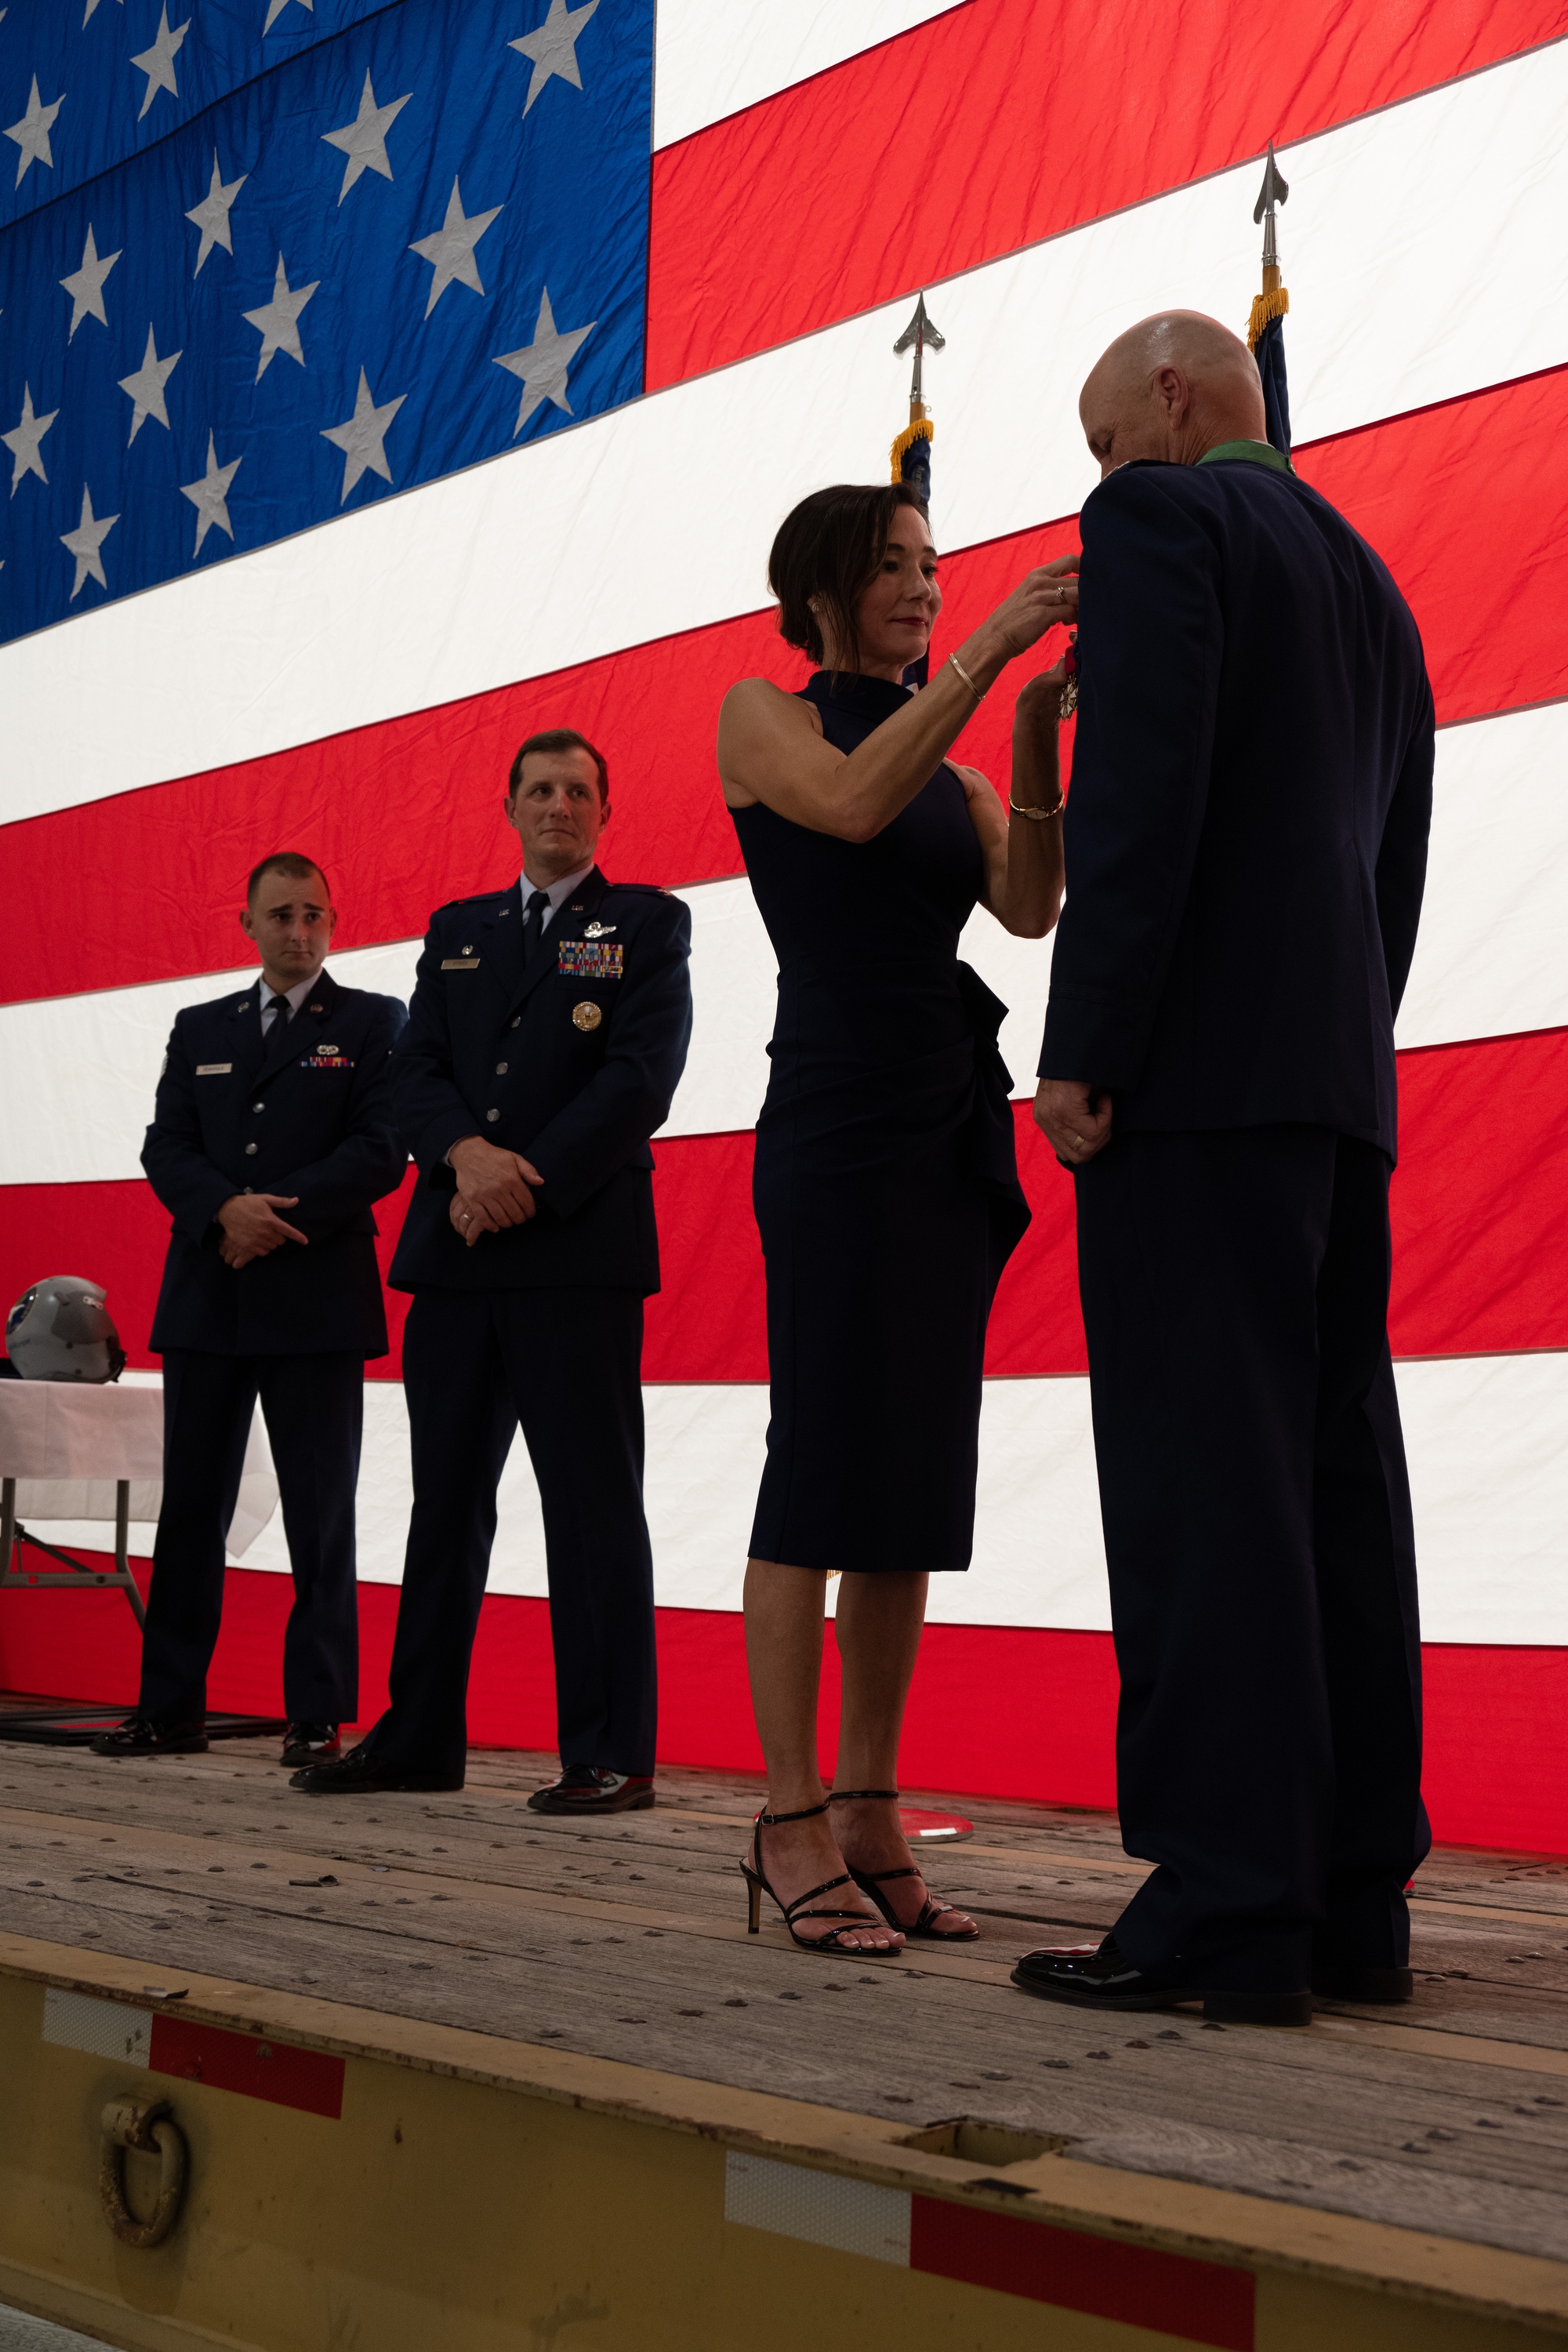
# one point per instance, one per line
(451, 249)
(85, 286)
(544, 363)
(24, 442)
(279, 320)
(158, 62)
(363, 141)
(84, 543)
(146, 387)
(210, 495)
(91, 6)
(211, 216)
(360, 436)
(32, 133)
(275, 9)
(551, 47)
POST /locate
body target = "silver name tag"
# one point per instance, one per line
(214, 1069)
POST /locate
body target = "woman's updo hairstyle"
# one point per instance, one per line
(828, 548)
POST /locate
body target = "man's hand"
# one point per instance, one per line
(252, 1227)
(493, 1188)
(1075, 1119)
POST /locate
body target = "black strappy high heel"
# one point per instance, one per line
(757, 1887)
(869, 1882)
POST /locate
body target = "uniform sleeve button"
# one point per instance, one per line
(491, 1115)
(258, 1105)
(501, 1069)
(515, 1019)
(249, 1148)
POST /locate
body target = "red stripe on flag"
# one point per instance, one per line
(1014, 1711)
(1480, 1242)
(278, 2071)
(407, 814)
(1001, 124)
(1203, 2303)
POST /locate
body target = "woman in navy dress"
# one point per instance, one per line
(886, 1187)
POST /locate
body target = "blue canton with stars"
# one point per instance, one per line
(407, 249)
(85, 83)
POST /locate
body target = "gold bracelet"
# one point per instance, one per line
(977, 691)
(1038, 815)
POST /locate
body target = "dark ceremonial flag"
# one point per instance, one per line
(911, 449)
(1266, 328)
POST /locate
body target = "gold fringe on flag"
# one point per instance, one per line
(1266, 308)
(921, 429)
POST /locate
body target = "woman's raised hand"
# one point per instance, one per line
(1042, 598)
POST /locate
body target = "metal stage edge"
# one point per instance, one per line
(358, 2179)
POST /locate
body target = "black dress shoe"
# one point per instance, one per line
(1100, 1976)
(1381, 1987)
(140, 1735)
(310, 1743)
(585, 1789)
(361, 1773)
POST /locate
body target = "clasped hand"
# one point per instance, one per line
(252, 1227)
(494, 1188)
(1074, 1118)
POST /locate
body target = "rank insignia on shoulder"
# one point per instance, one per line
(587, 1015)
(597, 930)
(590, 959)
(459, 963)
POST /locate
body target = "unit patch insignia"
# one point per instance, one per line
(587, 1015)
(590, 959)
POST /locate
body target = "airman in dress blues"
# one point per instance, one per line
(548, 1030)
(272, 1137)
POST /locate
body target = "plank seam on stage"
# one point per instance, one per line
(1386, 2032)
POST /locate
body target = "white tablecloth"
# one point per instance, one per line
(67, 1442)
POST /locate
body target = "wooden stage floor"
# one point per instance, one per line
(625, 1940)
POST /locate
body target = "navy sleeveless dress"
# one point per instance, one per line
(886, 1182)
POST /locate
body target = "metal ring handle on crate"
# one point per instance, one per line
(145, 2124)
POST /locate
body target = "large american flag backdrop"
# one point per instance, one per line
(381, 382)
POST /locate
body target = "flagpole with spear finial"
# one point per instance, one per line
(912, 450)
(1266, 327)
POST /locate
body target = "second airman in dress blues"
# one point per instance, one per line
(272, 1137)
(548, 1030)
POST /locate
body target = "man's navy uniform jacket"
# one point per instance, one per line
(572, 1063)
(308, 1111)
(1246, 836)
(1246, 852)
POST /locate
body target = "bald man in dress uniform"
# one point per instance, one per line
(272, 1137)
(1245, 857)
(548, 1030)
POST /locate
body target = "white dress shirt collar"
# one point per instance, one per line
(556, 892)
(295, 995)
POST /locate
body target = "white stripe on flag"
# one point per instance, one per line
(1490, 962)
(1415, 280)
(712, 61)
(1489, 1472)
